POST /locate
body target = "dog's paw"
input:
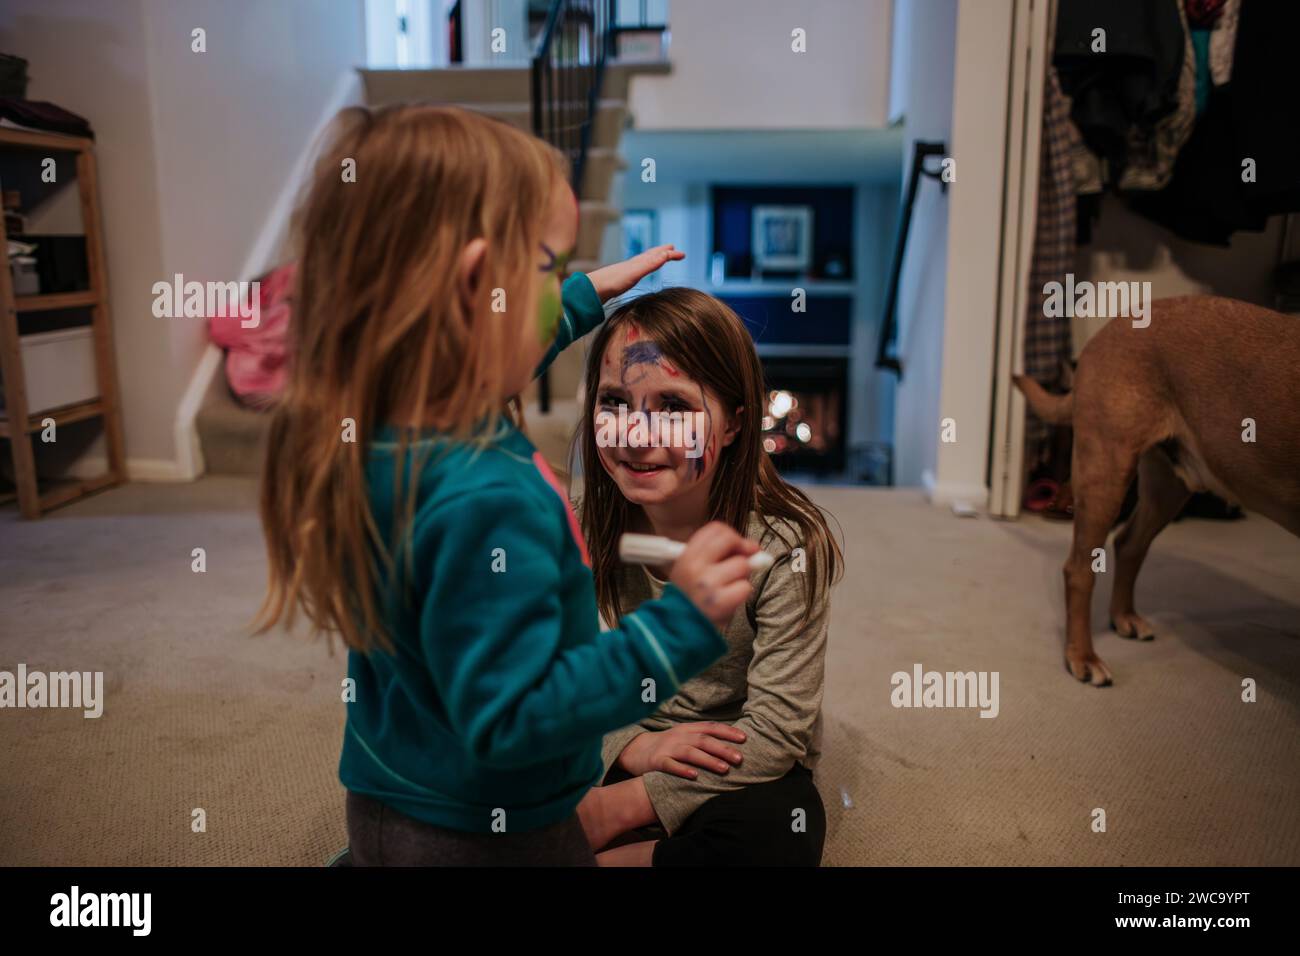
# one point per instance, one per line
(1133, 626)
(1088, 668)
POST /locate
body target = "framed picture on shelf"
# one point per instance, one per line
(782, 238)
(640, 233)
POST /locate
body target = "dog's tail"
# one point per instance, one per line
(1053, 409)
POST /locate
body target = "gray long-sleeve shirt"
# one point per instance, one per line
(769, 683)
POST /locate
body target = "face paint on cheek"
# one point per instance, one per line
(549, 310)
(708, 436)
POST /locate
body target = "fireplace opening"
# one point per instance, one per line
(804, 414)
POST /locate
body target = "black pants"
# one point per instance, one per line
(752, 826)
(380, 836)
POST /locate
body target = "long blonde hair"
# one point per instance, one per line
(709, 343)
(380, 336)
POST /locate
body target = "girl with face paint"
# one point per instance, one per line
(709, 778)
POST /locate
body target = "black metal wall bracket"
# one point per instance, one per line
(936, 174)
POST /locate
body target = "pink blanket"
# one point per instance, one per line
(257, 358)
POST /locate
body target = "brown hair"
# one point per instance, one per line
(379, 335)
(708, 342)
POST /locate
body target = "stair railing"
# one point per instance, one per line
(568, 67)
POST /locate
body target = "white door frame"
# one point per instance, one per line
(1031, 52)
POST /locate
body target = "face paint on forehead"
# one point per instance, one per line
(642, 353)
(635, 355)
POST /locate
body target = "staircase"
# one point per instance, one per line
(233, 437)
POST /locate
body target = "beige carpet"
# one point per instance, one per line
(201, 715)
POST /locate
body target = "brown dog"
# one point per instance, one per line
(1205, 397)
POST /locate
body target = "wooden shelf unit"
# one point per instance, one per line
(55, 300)
(17, 423)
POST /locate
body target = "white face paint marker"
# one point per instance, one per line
(652, 549)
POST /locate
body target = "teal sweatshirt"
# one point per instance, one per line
(500, 684)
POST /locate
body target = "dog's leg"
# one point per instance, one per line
(1101, 477)
(1161, 495)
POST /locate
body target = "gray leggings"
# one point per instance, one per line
(380, 836)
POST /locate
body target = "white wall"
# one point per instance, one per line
(231, 123)
(656, 11)
(929, 37)
(900, 65)
(426, 34)
(953, 88)
(481, 17)
(193, 150)
(974, 229)
(872, 390)
(733, 67)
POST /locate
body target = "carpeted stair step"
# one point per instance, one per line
(233, 437)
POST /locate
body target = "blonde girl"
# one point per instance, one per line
(407, 512)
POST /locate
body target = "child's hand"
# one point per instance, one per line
(672, 750)
(714, 571)
(611, 281)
